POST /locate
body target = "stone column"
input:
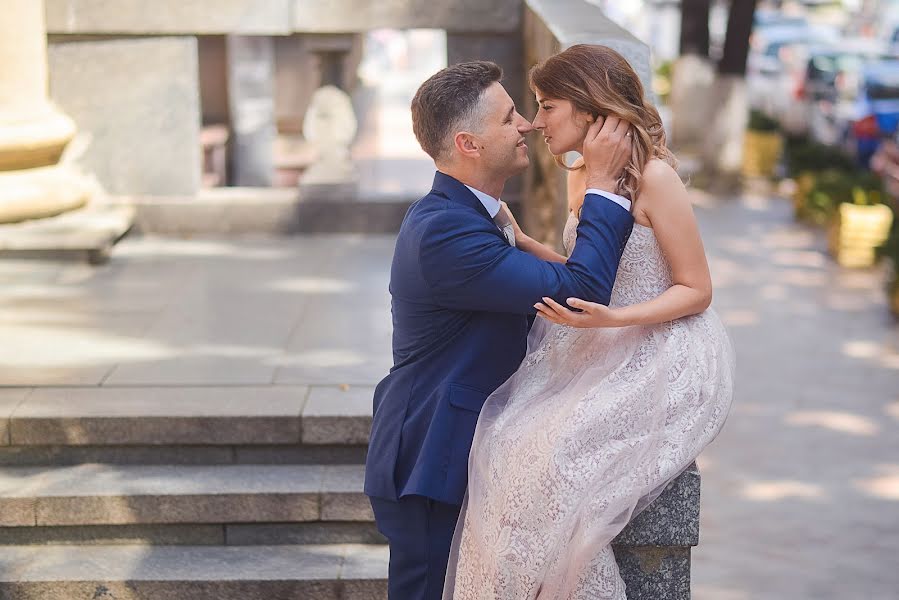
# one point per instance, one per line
(33, 133)
(251, 73)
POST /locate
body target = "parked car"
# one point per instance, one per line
(876, 113)
(828, 93)
(776, 69)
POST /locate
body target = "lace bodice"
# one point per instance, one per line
(643, 272)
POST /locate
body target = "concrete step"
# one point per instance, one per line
(268, 211)
(86, 234)
(94, 494)
(314, 572)
(226, 418)
(245, 504)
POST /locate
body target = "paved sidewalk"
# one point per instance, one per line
(801, 489)
(800, 492)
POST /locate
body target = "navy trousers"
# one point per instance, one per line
(420, 532)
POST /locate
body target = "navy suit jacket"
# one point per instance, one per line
(461, 299)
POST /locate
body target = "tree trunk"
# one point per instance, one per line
(694, 27)
(736, 40)
(691, 76)
(728, 102)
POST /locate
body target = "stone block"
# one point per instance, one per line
(342, 498)
(655, 573)
(363, 572)
(25, 456)
(672, 519)
(17, 512)
(166, 535)
(136, 17)
(345, 16)
(9, 400)
(129, 572)
(136, 104)
(300, 455)
(181, 508)
(579, 22)
(161, 415)
(337, 416)
(94, 494)
(267, 534)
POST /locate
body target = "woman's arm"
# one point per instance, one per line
(664, 202)
(530, 245)
(575, 188)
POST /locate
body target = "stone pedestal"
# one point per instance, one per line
(136, 101)
(33, 133)
(251, 68)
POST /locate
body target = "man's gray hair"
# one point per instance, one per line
(451, 101)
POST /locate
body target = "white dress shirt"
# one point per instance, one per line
(492, 204)
(619, 200)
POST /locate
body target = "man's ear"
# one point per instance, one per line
(467, 144)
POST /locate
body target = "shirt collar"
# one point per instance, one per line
(490, 203)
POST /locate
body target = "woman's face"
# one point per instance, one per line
(563, 127)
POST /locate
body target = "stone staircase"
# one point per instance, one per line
(226, 493)
(198, 492)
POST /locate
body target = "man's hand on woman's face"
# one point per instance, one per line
(607, 150)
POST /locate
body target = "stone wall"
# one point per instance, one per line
(342, 16)
(136, 103)
(549, 27)
(139, 17)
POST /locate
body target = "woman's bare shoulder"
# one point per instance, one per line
(660, 185)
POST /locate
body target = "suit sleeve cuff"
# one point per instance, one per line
(619, 200)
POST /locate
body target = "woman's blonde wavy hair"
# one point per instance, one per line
(598, 80)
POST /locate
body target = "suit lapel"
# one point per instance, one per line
(454, 190)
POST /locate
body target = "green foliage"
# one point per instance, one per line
(759, 121)
(834, 186)
(890, 248)
(803, 154)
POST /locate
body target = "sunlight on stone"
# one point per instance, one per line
(226, 351)
(802, 278)
(324, 358)
(788, 239)
(719, 593)
(798, 258)
(57, 347)
(726, 272)
(892, 409)
(740, 246)
(156, 248)
(773, 292)
(885, 486)
(739, 318)
(846, 302)
(862, 349)
(313, 285)
(705, 463)
(756, 202)
(43, 293)
(770, 491)
(835, 421)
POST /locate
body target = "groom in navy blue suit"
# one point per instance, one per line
(462, 296)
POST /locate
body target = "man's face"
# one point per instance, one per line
(501, 138)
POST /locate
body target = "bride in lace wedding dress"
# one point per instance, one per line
(601, 416)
